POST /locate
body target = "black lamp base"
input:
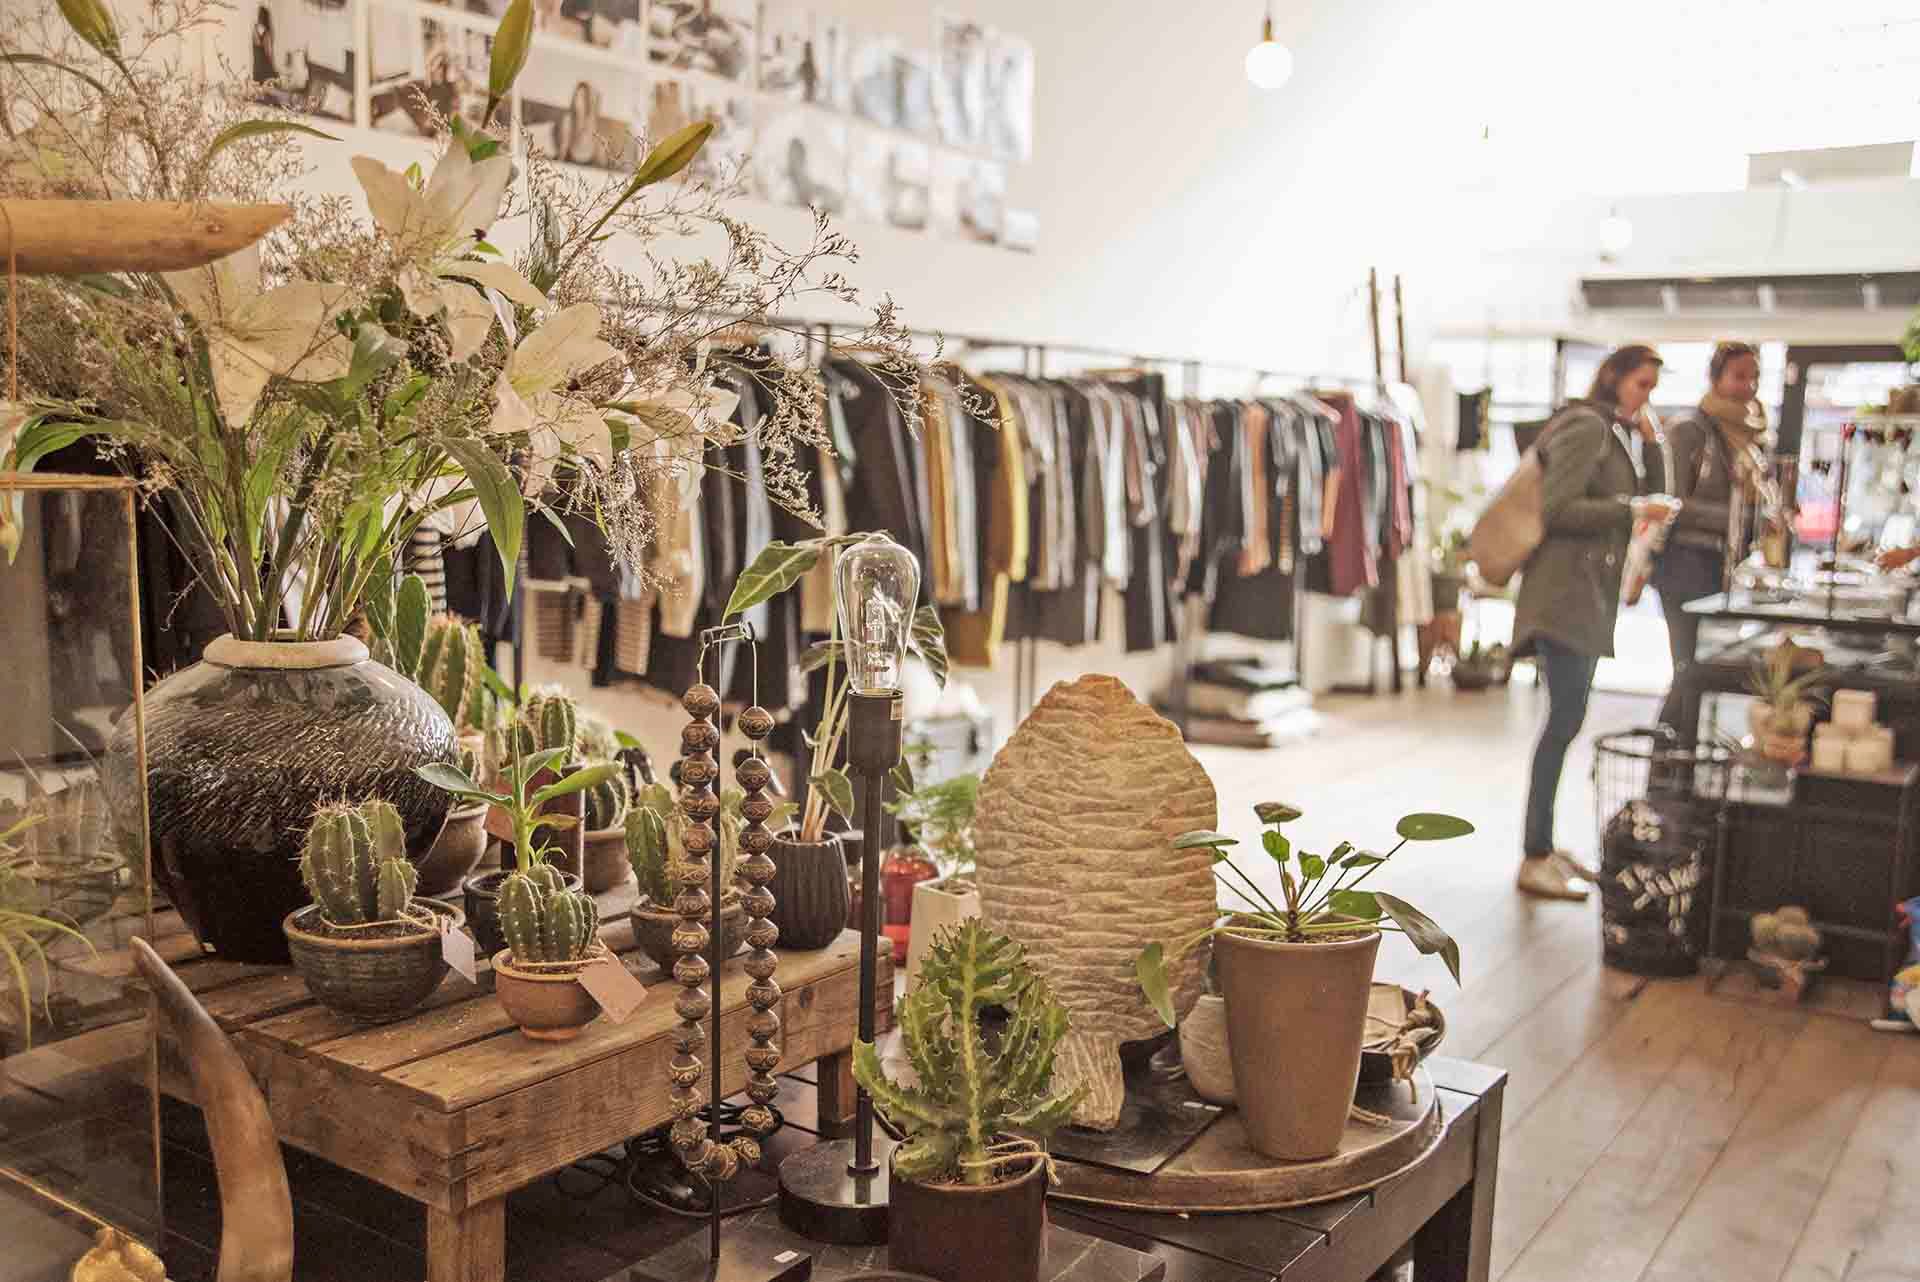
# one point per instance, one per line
(824, 1202)
(744, 1257)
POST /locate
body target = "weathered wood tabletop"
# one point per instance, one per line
(453, 1108)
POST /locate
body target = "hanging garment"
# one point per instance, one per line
(1354, 541)
(1256, 553)
(1000, 479)
(1070, 615)
(887, 484)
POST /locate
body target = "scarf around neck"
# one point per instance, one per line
(1742, 422)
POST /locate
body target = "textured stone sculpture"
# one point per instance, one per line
(1075, 832)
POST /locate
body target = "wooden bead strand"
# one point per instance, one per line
(763, 994)
(699, 767)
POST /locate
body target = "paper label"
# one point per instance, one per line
(614, 987)
(456, 945)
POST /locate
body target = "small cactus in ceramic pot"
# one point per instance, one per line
(547, 720)
(355, 864)
(545, 923)
(607, 803)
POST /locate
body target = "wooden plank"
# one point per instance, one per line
(1615, 1217)
(502, 1065)
(1556, 1035)
(564, 1114)
(838, 1092)
(1748, 1213)
(311, 1024)
(1863, 1225)
(176, 949)
(239, 1005)
(1455, 1243)
(469, 1245)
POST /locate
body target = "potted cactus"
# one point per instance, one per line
(1782, 712)
(657, 851)
(441, 653)
(969, 1184)
(368, 948)
(457, 851)
(553, 934)
(603, 863)
(524, 800)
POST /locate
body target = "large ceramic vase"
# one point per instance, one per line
(1296, 1016)
(242, 746)
(811, 895)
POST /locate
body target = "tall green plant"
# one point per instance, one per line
(1320, 896)
(520, 801)
(941, 816)
(969, 1112)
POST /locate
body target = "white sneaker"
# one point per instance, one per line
(1544, 877)
(1575, 868)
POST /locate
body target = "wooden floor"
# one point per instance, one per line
(1652, 1130)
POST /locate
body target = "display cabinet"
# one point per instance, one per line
(79, 1146)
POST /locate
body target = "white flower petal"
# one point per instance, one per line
(397, 208)
(566, 344)
(500, 277)
(510, 412)
(469, 318)
(294, 326)
(463, 196)
(240, 374)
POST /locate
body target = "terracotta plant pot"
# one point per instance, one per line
(1296, 1015)
(457, 852)
(604, 863)
(482, 896)
(653, 931)
(548, 1007)
(967, 1232)
(935, 908)
(374, 980)
(1205, 1050)
(811, 896)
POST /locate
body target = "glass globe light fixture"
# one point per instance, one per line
(876, 583)
(1616, 233)
(1269, 63)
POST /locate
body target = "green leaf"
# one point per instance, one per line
(778, 567)
(1341, 850)
(1423, 931)
(1312, 868)
(1354, 903)
(575, 782)
(902, 776)
(672, 154)
(819, 653)
(838, 789)
(1276, 845)
(1202, 837)
(245, 129)
(534, 763)
(37, 60)
(928, 640)
(1361, 859)
(511, 42)
(1150, 967)
(553, 519)
(626, 740)
(374, 351)
(41, 438)
(92, 23)
(1276, 812)
(1429, 827)
(500, 500)
(454, 780)
(501, 690)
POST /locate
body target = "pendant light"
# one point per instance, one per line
(1269, 63)
(1616, 233)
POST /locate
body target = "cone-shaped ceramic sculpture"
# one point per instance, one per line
(79, 237)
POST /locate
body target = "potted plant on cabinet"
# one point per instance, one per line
(1781, 715)
(941, 818)
(969, 1184)
(813, 899)
(457, 851)
(522, 804)
(656, 849)
(553, 934)
(367, 947)
(1295, 974)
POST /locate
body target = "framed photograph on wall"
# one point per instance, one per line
(968, 197)
(800, 158)
(306, 49)
(423, 68)
(788, 69)
(887, 180)
(579, 107)
(676, 103)
(1009, 97)
(890, 83)
(831, 86)
(959, 86)
(605, 24)
(714, 37)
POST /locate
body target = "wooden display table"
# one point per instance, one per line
(453, 1108)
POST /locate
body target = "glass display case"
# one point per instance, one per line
(79, 1146)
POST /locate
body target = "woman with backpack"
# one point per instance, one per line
(1594, 459)
(1710, 448)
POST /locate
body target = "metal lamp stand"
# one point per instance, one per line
(837, 1192)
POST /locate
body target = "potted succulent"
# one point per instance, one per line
(603, 860)
(813, 900)
(523, 804)
(443, 654)
(548, 721)
(656, 849)
(1781, 715)
(553, 934)
(457, 850)
(969, 1183)
(368, 948)
(941, 818)
(1296, 974)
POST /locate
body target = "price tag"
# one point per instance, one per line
(614, 987)
(456, 945)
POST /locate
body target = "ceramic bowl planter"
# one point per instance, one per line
(812, 899)
(548, 1005)
(376, 974)
(653, 931)
(457, 851)
(603, 863)
(244, 746)
(968, 1232)
(1296, 1017)
(482, 896)
(1205, 1050)
(935, 908)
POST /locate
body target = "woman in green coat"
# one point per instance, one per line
(1594, 457)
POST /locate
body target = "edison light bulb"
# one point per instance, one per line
(876, 582)
(1269, 63)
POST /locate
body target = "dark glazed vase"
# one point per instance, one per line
(242, 747)
(811, 895)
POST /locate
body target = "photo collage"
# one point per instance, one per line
(808, 109)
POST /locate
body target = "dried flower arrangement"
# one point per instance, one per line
(305, 405)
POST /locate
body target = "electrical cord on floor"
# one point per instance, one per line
(653, 1175)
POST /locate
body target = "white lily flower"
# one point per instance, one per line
(432, 231)
(527, 398)
(254, 335)
(681, 420)
(13, 417)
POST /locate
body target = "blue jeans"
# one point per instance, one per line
(1569, 677)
